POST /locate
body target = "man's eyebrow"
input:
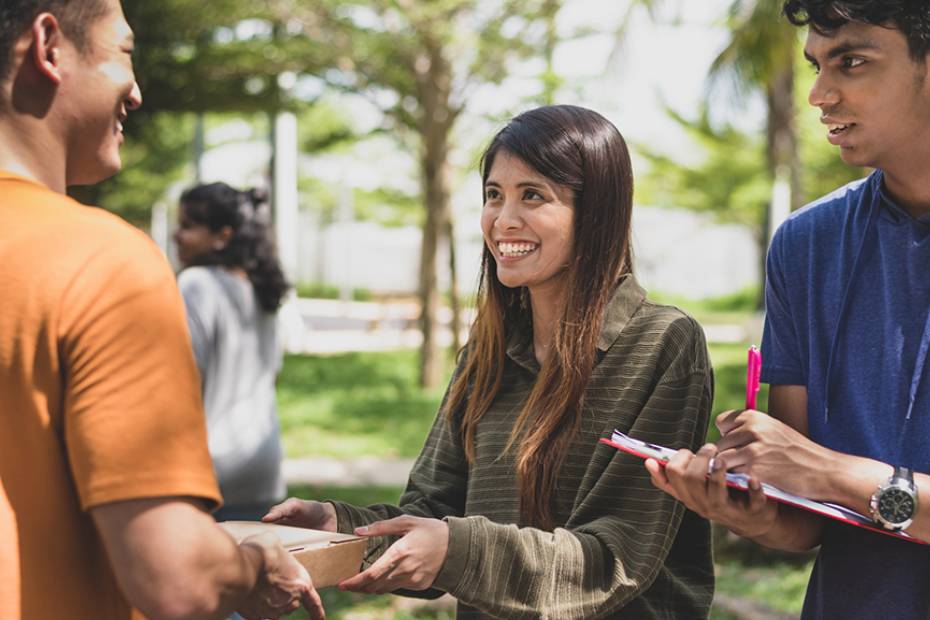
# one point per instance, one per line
(846, 47)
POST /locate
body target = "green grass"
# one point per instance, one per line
(740, 302)
(358, 495)
(369, 403)
(354, 404)
(779, 586)
(318, 290)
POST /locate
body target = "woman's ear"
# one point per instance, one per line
(222, 238)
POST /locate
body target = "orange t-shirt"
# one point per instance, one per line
(99, 397)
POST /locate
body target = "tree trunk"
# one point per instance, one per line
(434, 88)
(436, 193)
(782, 147)
(782, 133)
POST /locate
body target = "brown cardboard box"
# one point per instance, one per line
(328, 557)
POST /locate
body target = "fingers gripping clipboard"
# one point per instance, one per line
(662, 455)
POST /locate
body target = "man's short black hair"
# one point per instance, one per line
(911, 17)
(74, 16)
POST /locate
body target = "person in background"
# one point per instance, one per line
(514, 506)
(105, 478)
(233, 285)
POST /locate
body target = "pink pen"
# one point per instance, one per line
(753, 370)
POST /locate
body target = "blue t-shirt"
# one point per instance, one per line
(848, 300)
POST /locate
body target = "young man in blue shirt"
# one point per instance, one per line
(847, 332)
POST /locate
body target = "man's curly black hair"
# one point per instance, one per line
(911, 17)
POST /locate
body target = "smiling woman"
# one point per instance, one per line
(513, 505)
(527, 225)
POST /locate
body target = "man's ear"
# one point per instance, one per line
(47, 41)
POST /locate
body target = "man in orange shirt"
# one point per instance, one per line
(105, 478)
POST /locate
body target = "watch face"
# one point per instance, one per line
(896, 505)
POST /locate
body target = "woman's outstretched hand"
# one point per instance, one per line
(303, 513)
(411, 563)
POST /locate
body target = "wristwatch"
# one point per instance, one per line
(894, 502)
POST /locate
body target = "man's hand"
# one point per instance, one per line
(303, 513)
(283, 585)
(758, 444)
(411, 563)
(686, 478)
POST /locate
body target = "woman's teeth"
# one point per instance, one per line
(835, 129)
(516, 249)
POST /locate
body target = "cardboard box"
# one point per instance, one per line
(327, 556)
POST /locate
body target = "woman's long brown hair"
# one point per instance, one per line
(582, 150)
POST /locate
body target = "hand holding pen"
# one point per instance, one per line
(753, 373)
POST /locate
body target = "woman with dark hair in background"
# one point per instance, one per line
(232, 286)
(514, 507)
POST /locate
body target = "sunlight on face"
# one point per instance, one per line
(100, 92)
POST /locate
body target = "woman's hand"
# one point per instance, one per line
(303, 513)
(411, 563)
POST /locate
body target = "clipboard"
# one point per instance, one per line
(662, 454)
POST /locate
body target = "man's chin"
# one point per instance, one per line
(857, 156)
(98, 174)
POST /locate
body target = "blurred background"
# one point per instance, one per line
(365, 120)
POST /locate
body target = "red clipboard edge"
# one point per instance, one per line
(733, 485)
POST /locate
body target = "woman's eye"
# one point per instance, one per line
(491, 194)
(532, 194)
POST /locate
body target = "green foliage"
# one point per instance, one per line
(191, 56)
(324, 127)
(417, 58)
(761, 44)
(733, 178)
(388, 207)
(730, 180)
(223, 55)
(384, 205)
